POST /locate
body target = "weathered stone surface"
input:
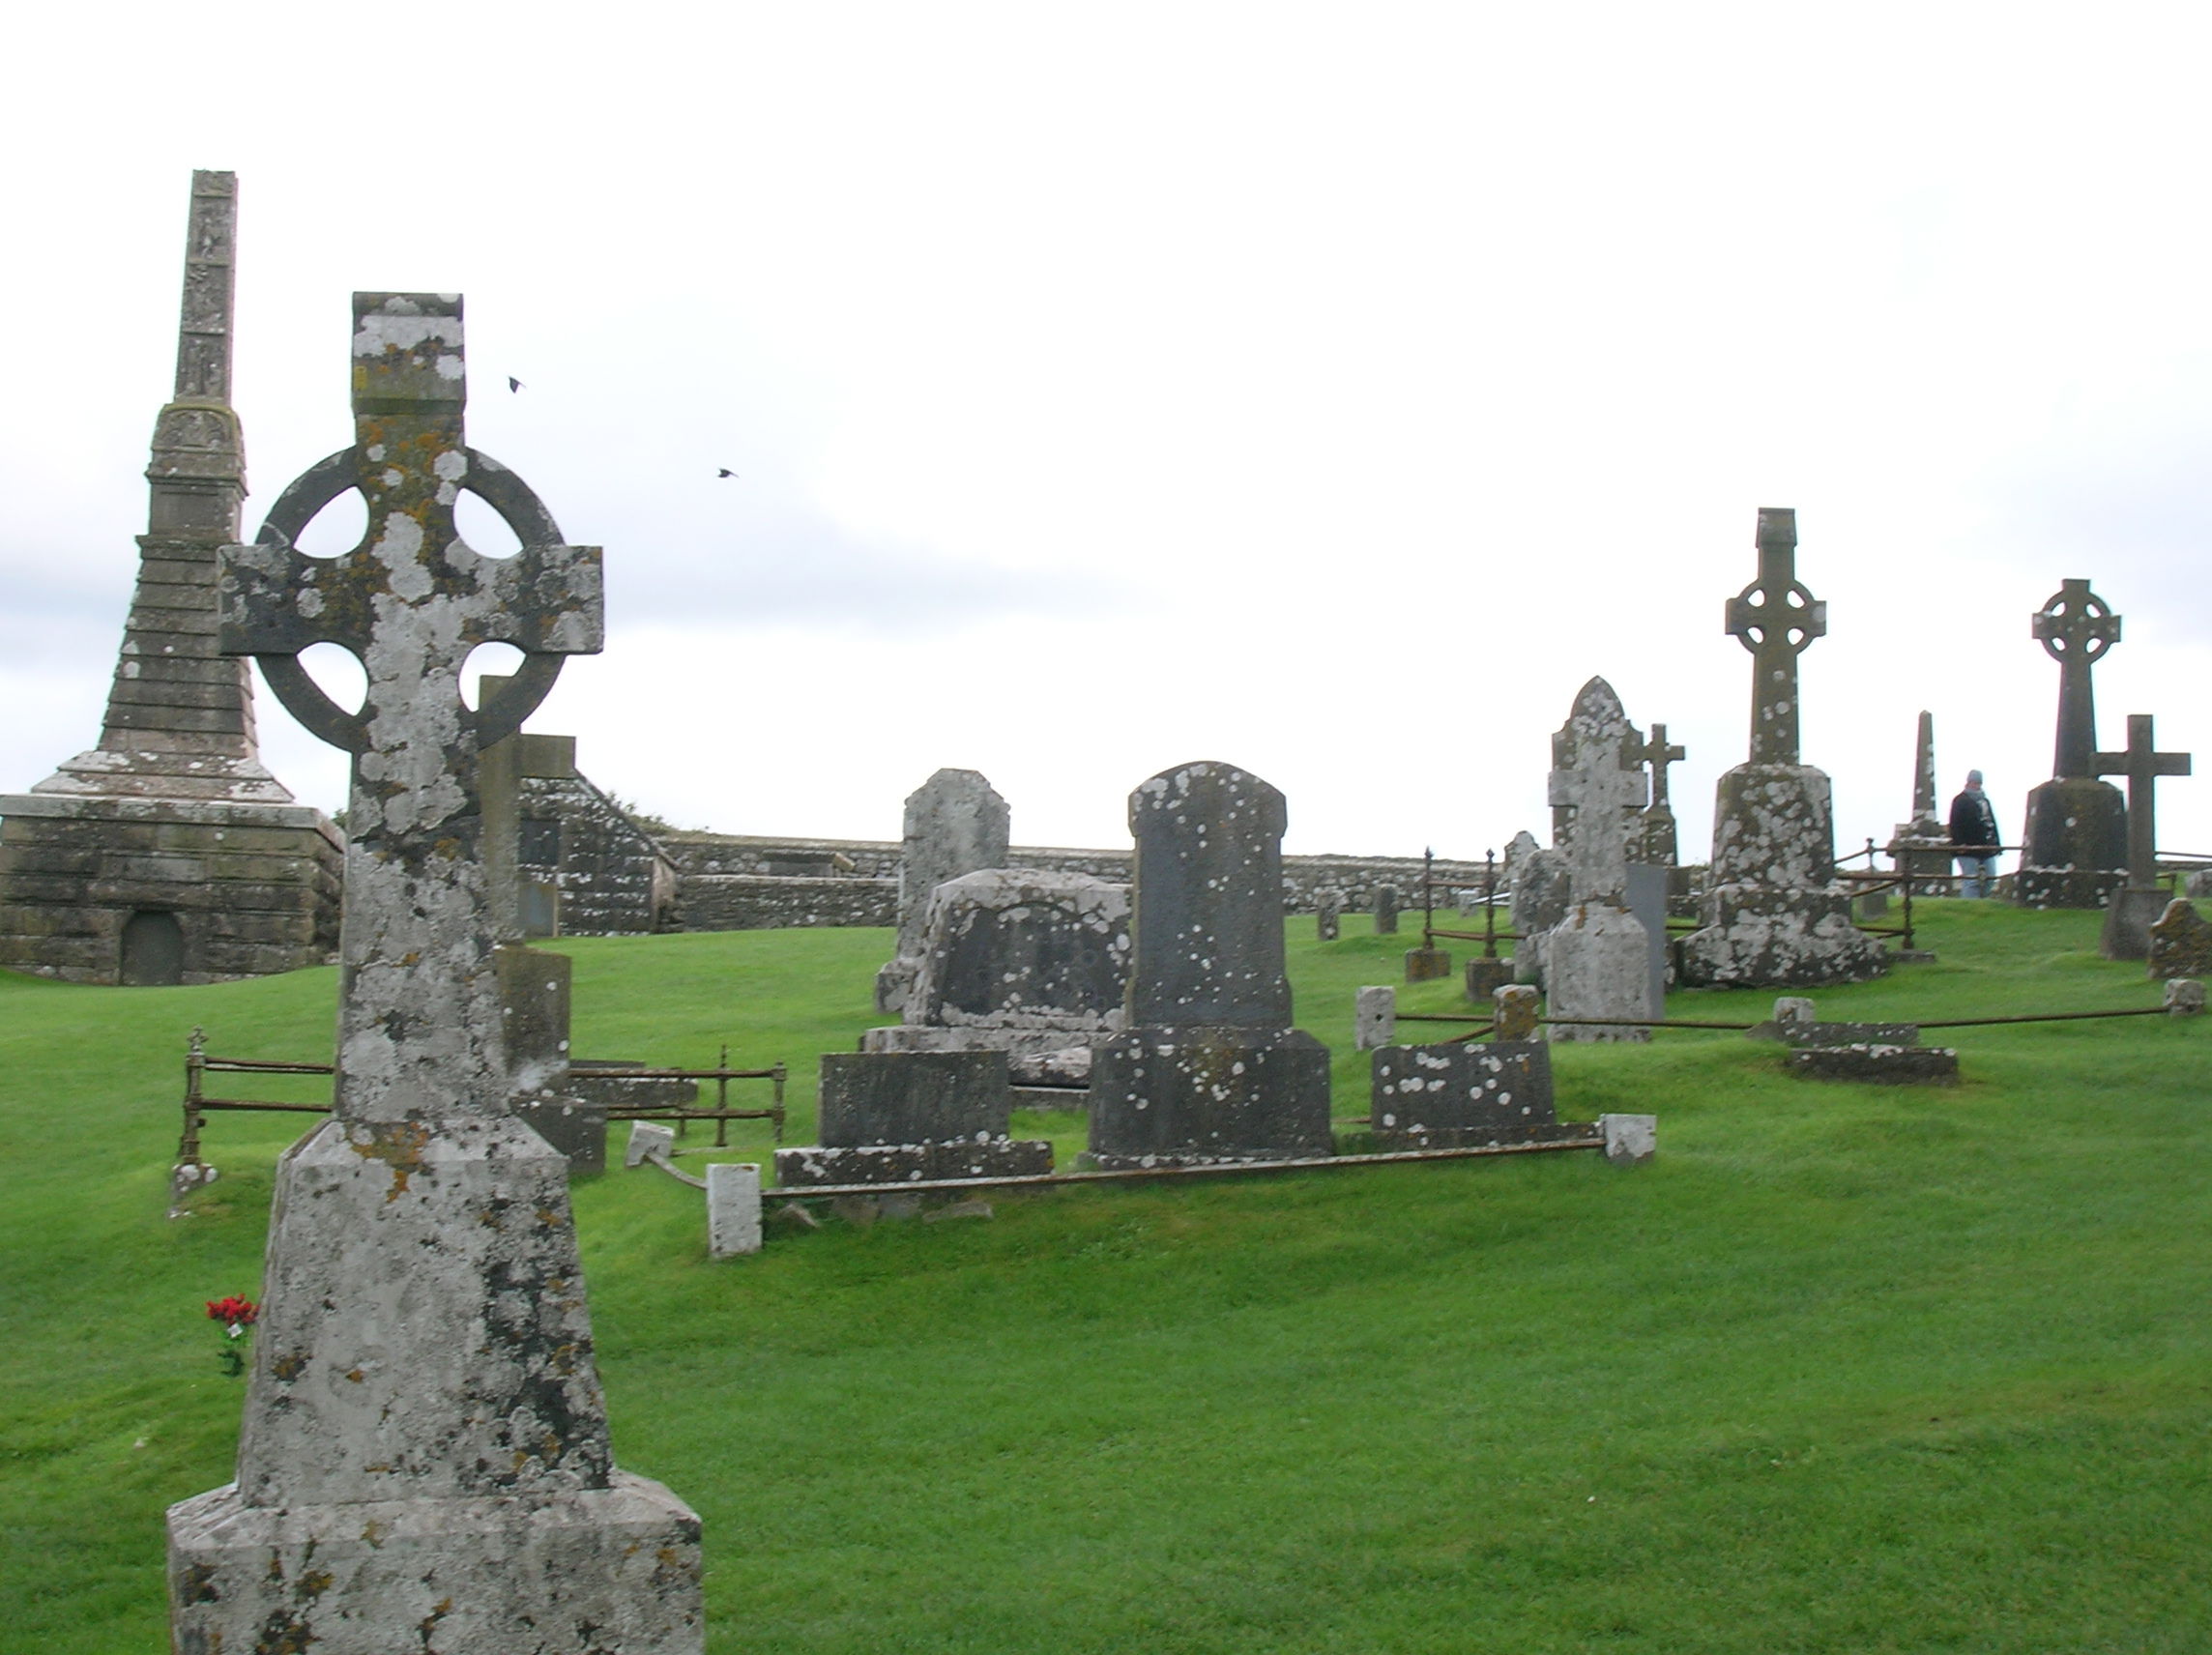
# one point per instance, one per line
(648, 1141)
(913, 1098)
(768, 901)
(1485, 977)
(1446, 1097)
(1162, 1096)
(1630, 1140)
(1654, 843)
(733, 1209)
(423, 1418)
(1801, 1032)
(1386, 901)
(1328, 915)
(1517, 1016)
(911, 1163)
(1034, 1057)
(2075, 840)
(1920, 845)
(1890, 1065)
(1374, 1018)
(2184, 996)
(1597, 960)
(2181, 942)
(1012, 949)
(2132, 910)
(1771, 913)
(575, 1126)
(1540, 888)
(956, 824)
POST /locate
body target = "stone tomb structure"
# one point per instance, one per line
(901, 1116)
(1209, 1068)
(2074, 845)
(167, 854)
(424, 1458)
(1034, 964)
(1463, 1093)
(1772, 914)
(1597, 959)
(956, 824)
(2137, 906)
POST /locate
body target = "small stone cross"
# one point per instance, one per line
(1775, 618)
(1661, 753)
(2076, 627)
(1605, 783)
(2142, 764)
(419, 1023)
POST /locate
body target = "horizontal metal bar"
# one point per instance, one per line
(1595, 1140)
(206, 1103)
(254, 1066)
(675, 1074)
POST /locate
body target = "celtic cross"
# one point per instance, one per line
(2142, 764)
(419, 1020)
(1775, 618)
(2076, 627)
(1661, 753)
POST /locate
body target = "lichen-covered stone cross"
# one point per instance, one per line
(419, 1027)
(1776, 619)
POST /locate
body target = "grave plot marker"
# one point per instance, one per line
(2139, 905)
(2075, 841)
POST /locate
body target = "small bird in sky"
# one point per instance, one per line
(513, 384)
(725, 472)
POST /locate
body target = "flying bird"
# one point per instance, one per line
(725, 472)
(513, 384)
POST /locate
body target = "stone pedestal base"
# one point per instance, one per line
(1161, 1096)
(2129, 916)
(603, 1569)
(1427, 965)
(1756, 937)
(1597, 963)
(2075, 845)
(913, 1098)
(1448, 1098)
(984, 1157)
(1485, 977)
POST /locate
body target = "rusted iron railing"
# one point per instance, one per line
(1489, 936)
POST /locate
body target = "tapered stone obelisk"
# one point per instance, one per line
(1774, 914)
(424, 1460)
(167, 854)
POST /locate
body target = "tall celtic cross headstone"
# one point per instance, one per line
(425, 1453)
(1772, 914)
(1596, 961)
(2137, 906)
(2075, 837)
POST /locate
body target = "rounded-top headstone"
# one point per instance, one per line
(1209, 909)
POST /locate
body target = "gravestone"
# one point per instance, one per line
(1656, 844)
(1387, 900)
(1328, 915)
(2184, 996)
(1021, 961)
(2181, 942)
(425, 1457)
(1772, 914)
(1210, 1069)
(2075, 844)
(2137, 906)
(1374, 1017)
(1461, 1094)
(1597, 960)
(956, 824)
(1539, 890)
(733, 1209)
(898, 1116)
(168, 854)
(1920, 845)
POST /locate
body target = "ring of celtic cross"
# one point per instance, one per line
(1760, 615)
(518, 507)
(2076, 626)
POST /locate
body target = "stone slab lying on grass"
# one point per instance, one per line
(1890, 1065)
(1630, 1140)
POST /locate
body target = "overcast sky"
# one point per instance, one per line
(1330, 391)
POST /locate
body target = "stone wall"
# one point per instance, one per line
(731, 882)
(614, 878)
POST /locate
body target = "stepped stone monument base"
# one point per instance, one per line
(2076, 843)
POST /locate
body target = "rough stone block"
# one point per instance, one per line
(1173, 1096)
(1485, 977)
(1438, 1098)
(733, 1208)
(913, 1098)
(2181, 942)
(1597, 963)
(1374, 1018)
(1517, 1014)
(601, 1569)
(1020, 948)
(1889, 1065)
(1427, 965)
(1761, 937)
(1630, 1140)
(999, 1157)
(647, 1139)
(2184, 996)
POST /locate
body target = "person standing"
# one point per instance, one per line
(1974, 838)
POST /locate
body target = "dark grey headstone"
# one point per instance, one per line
(913, 1098)
(999, 1157)
(1386, 910)
(1888, 1066)
(1170, 1095)
(1444, 1097)
(1208, 908)
(1647, 901)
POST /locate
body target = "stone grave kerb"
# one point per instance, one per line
(419, 1010)
(1603, 782)
(2142, 764)
(2076, 629)
(1776, 618)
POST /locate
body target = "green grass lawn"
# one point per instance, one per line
(1847, 1369)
